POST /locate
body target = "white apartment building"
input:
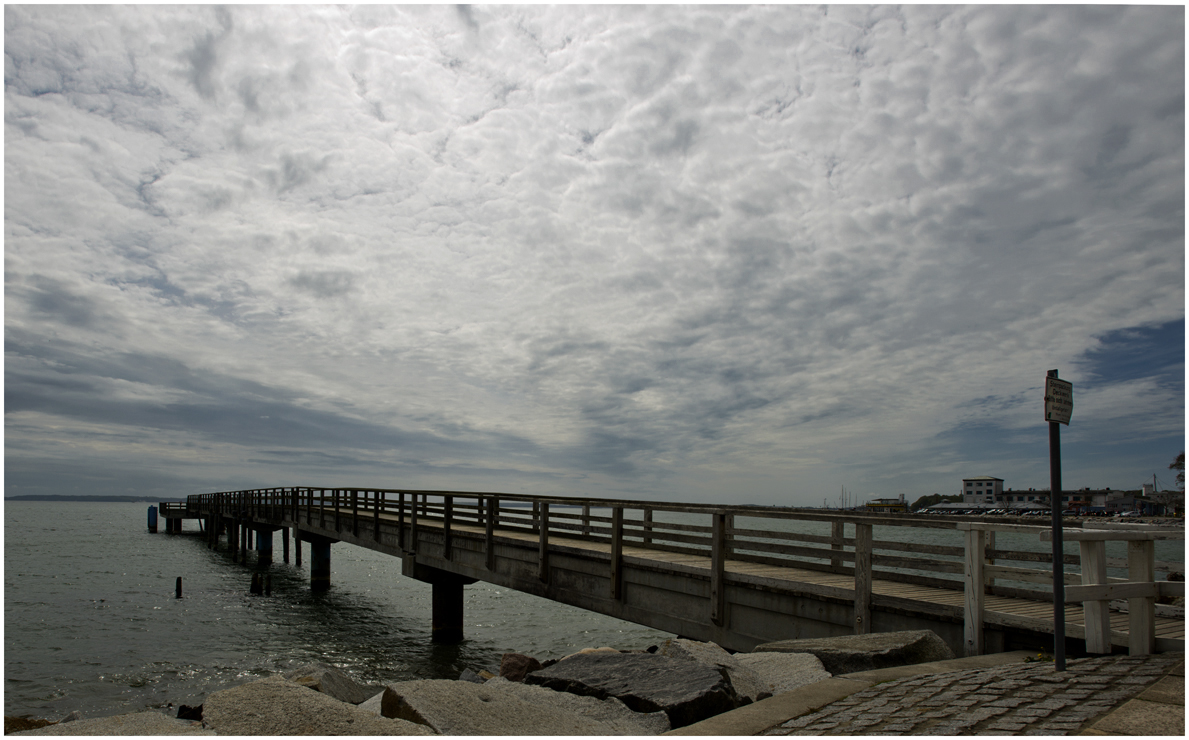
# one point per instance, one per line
(982, 489)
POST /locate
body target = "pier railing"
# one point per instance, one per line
(757, 534)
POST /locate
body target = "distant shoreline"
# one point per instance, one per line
(98, 499)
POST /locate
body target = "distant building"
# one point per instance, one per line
(888, 505)
(981, 489)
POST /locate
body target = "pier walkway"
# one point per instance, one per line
(736, 575)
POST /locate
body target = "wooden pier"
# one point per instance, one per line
(731, 574)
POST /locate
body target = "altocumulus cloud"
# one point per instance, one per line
(740, 253)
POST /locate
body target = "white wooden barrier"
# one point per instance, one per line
(1096, 590)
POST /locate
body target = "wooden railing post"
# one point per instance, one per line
(447, 518)
(543, 548)
(862, 578)
(718, 562)
(973, 612)
(837, 536)
(1141, 568)
(335, 496)
(493, 512)
(990, 582)
(536, 517)
(377, 498)
(1097, 613)
(413, 526)
(647, 527)
(354, 513)
(585, 519)
(616, 552)
(400, 521)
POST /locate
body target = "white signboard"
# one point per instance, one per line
(1058, 400)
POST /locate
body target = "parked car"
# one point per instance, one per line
(1129, 513)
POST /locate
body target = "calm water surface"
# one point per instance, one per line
(91, 621)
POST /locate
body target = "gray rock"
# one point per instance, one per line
(373, 705)
(854, 653)
(610, 711)
(463, 708)
(469, 675)
(331, 681)
(779, 673)
(72, 717)
(276, 706)
(515, 666)
(745, 681)
(686, 691)
(139, 723)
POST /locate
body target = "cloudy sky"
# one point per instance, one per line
(732, 254)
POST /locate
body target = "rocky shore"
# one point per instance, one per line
(596, 691)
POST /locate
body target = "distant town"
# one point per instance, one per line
(985, 494)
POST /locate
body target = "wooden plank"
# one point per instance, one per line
(837, 536)
(992, 526)
(1096, 535)
(1027, 575)
(1141, 567)
(717, 566)
(493, 515)
(862, 579)
(1097, 616)
(617, 553)
(1110, 591)
(543, 546)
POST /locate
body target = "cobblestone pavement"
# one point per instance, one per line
(1016, 699)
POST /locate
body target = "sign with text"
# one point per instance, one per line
(1058, 400)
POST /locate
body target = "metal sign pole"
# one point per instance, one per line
(1058, 539)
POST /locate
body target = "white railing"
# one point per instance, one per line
(1096, 590)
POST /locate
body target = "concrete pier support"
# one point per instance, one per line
(263, 546)
(319, 561)
(285, 545)
(447, 599)
(447, 612)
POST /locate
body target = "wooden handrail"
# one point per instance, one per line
(627, 523)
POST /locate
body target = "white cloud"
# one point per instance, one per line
(632, 243)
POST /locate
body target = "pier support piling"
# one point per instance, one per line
(446, 599)
(285, 545)
(319, 561)
(264, 546)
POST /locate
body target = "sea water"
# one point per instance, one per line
(91, 621)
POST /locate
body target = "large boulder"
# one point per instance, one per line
(515, 666)
(779, 673)
(464, 708)
(610, 711)
(145, 724)
(686, 691)
(854, 653)
(330, 681)
(745, 681)
(277, 706)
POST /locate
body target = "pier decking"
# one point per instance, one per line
(708, 579)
